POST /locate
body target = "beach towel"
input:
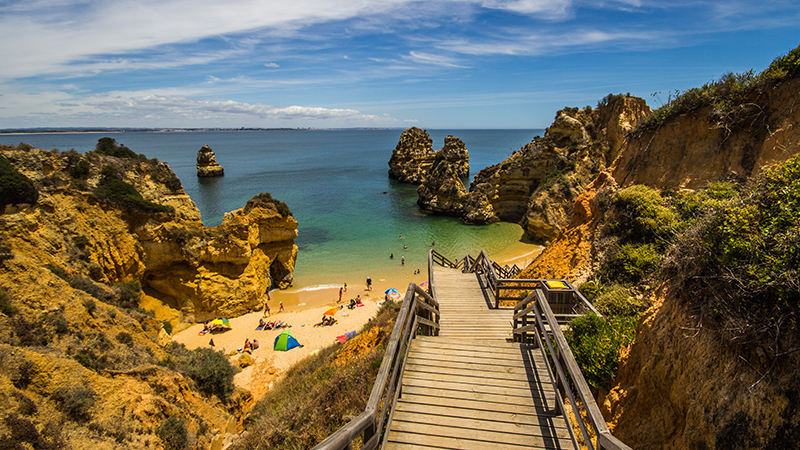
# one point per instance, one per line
(346, 336)
(260, 327)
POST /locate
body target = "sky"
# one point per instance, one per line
(462, 64)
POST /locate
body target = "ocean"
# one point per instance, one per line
(351, 216)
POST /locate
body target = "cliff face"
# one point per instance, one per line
(83, 366)
(413, 158)
(538, 185)
(681, 385)
(200, 272)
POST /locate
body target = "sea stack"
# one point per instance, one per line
(207, 165)
(414, 158)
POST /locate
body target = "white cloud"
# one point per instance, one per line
(271, 65)
(431, 59)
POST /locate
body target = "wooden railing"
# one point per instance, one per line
(419, 312)
(533, 317)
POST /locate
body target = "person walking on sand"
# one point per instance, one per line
(281, 308)
(266, 308)
(340, 296)
(369, 283)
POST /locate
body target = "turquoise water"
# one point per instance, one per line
(350, 215)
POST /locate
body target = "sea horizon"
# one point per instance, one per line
(350, 214)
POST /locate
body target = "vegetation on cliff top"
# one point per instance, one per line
(14, 186)
(733, 98)
(111, 188)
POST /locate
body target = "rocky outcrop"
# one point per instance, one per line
(443, 192)
(538, 185)
(413, 158)
(76, 328)
(207, 165)
(681, 385)
(197, 271)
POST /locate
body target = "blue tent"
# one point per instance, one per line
(285, 341)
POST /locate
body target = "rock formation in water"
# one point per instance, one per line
(207, 165)
(537, 185)
(413, 158)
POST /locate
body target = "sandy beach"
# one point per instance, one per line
(270, 364)
(303, 308)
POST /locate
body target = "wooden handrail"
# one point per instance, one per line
(419, 309)
(568, 376)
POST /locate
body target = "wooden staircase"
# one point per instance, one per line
(471, 387)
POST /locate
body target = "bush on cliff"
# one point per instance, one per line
(15, 187)
(266, 198)
(596, 344)
(109, 147)
(743, 261)
(210, 369)
(112, 189)
(731, 98)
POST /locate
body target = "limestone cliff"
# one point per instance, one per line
(84, 366)
(538, 185)
(207, 165)
(413, 157)
(681, 385)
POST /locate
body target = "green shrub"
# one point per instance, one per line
(167, 326)
(109, 147)
(22, 374)
(173, 183)
(266, 198)
(15, 187)
(25, 405)
(596, 345)
(632, 263)
(787, 65)
(616, 300)
(90, 287)
(642, 216)
(57, 271)
(127, 294)
(5, 304)
(25, 147)
(172, 432)
(125, 338)
(60, 325)
(75, 401)
(112, 189)
(81, 170)
(211, 372)
(90, 306)
(31, 334)
(85, 360)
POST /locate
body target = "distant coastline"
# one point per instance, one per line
(65, 130)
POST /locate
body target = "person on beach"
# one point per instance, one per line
(340, 296)
(391, 255)
(405, 247)
(281, 308)
(345, 287)
(403, 260)
(369, 283)
(266, 308)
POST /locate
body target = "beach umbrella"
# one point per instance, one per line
(225, 323)
(392, 294)
(285, 341)
(331, 311)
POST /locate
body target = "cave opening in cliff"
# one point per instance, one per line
(279, 276)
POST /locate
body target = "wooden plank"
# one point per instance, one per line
(529, 400)
(486, 370)
(473, 405)
(467, 386)
(491, 417)
(427, 441)
(550, 428)
(428, 372)
(490, 437)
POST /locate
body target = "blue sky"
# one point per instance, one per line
(364, 63)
